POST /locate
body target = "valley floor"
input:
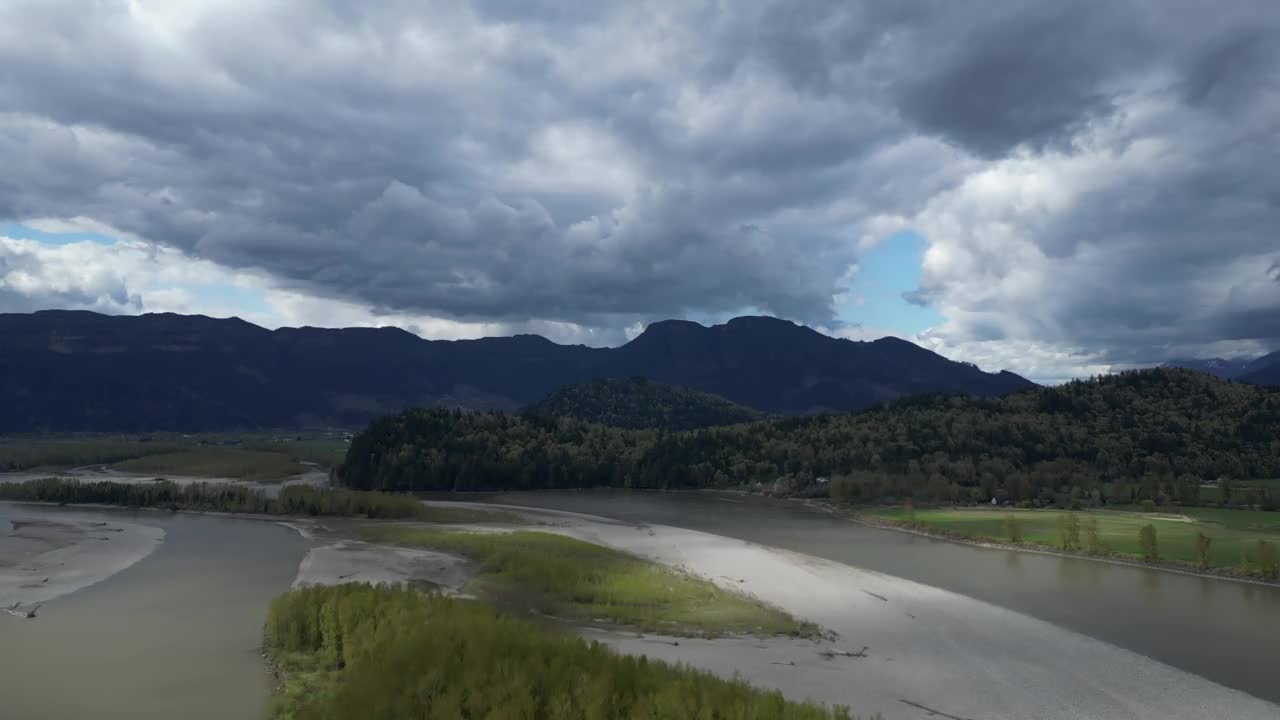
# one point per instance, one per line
(926, 650)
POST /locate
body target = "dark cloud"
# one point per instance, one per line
(1096, 176)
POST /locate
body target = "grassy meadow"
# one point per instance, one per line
(584, 582)
(378, 653)
(245, 456)
(1232, 532)
(213, 461)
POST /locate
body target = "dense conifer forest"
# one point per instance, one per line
(1151, 434)
(639, 403)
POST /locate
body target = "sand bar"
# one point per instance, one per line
(927, 649)
(46, 554)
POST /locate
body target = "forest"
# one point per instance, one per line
(357, 651)
(1151, 434)
(639, 403)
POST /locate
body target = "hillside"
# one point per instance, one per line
(73, 371)
(1154, 432)
(639, 403)
(1263, 370)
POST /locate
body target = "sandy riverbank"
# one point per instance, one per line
(350, 561)
(926, 647)
(44, 555)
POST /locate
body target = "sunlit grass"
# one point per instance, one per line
(1231, 531)
(579, 581)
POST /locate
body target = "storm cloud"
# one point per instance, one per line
(1098, 182)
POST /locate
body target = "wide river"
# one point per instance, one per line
(178, 633)
(1223, 630)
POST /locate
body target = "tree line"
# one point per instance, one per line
(358, 651)
(1143, 435)
(217, 497)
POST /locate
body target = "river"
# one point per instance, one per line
(176, 635)
(1223, 630)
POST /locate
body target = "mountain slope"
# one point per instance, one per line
(1218, 367)
(1263, 370)
(71, 370)
(639, 403)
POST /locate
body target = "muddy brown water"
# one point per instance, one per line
(176, 635)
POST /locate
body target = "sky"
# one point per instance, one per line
(1057, 189)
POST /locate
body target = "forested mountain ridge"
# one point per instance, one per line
(639, 403)
(81, 371)
(1264, 370)
(1162, 430)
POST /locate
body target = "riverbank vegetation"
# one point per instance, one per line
(375, 653)
(1237, 541)
(1152, 435)
(584, 582)
(226, 497)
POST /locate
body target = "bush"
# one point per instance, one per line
(1147, 544)
(357, 651)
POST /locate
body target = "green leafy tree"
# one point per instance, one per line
(1068, 531)
(1012, 528)
(1147, 543)
(1263, 559)
(1093, 538)
(1203, 544)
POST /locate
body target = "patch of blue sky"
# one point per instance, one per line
(19, 231)
(226, 299)
(885, 274)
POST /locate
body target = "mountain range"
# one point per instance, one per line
(1264, 370)
(79, 371)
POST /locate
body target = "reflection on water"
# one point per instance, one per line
(1226, 631)
(175, 636)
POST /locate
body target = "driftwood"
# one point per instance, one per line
(832, 653)
(24, 614)
(930, 711)
(35, 584)
(782, 662)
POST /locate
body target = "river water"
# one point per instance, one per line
(1226, 631)
(176, 635)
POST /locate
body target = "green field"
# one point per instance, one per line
(1231, 531)
(228, 462)
(246, 456)
(1212, 494)
(583, 582)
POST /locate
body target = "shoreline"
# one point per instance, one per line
(854, 516)
(45, 558)
(930, 646)
(1037, 549)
